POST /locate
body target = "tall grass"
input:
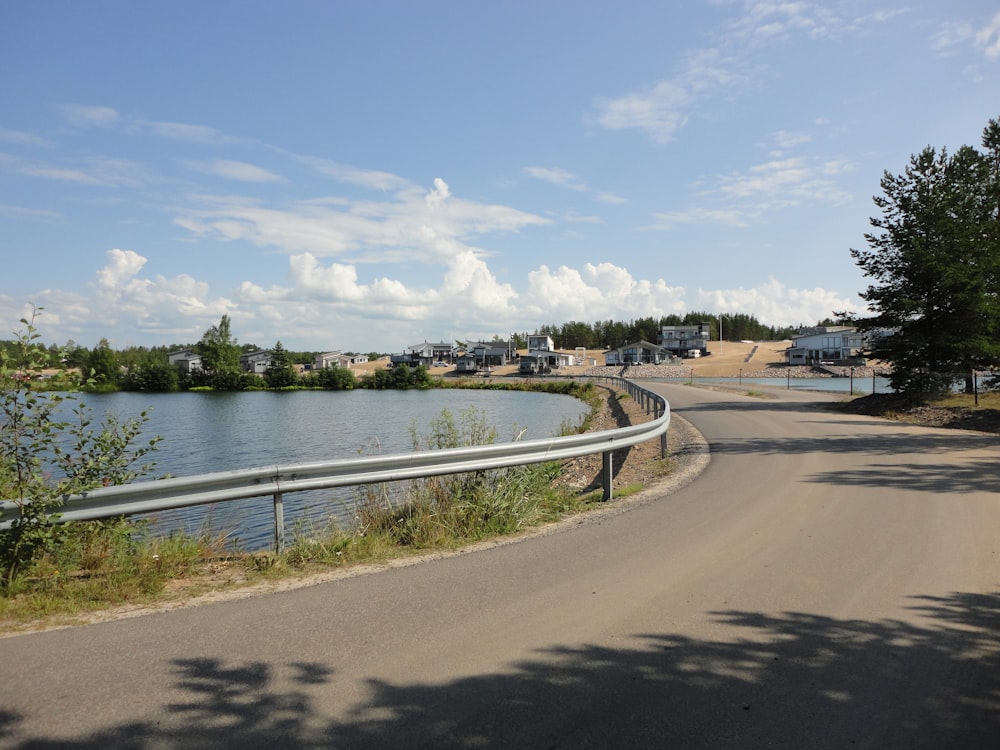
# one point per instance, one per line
(442, 512)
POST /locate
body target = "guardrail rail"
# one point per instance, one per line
(278, 480)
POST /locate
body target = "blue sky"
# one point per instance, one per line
(368, 175)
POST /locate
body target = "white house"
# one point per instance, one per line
(539, 343)
(826, 344)
(681, 340)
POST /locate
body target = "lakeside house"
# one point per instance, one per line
(542, 357)
(821, 345)
(480, 355)
(685, 341)
(425, 353)
(638, 353)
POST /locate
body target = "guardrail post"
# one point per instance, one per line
(279, 524)
(607, 475)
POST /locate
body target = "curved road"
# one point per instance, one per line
(829, 581)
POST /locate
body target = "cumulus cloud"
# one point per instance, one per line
(329, 305)
(776, 304)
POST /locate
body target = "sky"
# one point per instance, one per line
(365, 176)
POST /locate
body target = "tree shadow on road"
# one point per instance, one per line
(981, 475)
(790, 680)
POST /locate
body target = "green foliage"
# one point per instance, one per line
(934, 256)
(401, 377)
(154, 377)
(335, 379)
(219, 351)
(102, 362)
(454, 509)
(50, 448)
(280, 373)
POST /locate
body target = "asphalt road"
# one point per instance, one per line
(827, 582)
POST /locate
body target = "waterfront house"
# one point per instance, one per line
(835, 345)
(538, 343)
(639, 353)
(682, 341)
(427, 353)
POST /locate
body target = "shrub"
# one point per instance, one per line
(49, 449)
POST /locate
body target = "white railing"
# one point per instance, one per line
(278, 480)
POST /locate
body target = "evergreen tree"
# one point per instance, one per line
(280, 373)
(935, 259)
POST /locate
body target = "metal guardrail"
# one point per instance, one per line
(278, 480)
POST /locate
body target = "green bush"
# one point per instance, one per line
(50, 448)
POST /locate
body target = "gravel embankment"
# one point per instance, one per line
(682, 371)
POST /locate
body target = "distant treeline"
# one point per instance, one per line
(611, 334)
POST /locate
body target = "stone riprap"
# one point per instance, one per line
(682, 371)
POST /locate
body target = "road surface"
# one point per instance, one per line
(829, 581)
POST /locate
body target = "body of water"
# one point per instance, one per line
(209, 432)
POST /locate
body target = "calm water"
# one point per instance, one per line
(207, 432)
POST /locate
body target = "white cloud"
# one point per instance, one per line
(988, 38)
(327, 305)
(23, 212)
(86, 115)
(122, 265)
(428, 226)
(786, 182)
(699, 215)
(233, 170)
(784, 139)
(24, 139)
(96, 171)
(954, 34)
(663, 109)
(776, 304)
(368, 178)
(611, 199)
(660, 111)
(177, 131)
(557, 176)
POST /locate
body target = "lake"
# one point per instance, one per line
(209, 432)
